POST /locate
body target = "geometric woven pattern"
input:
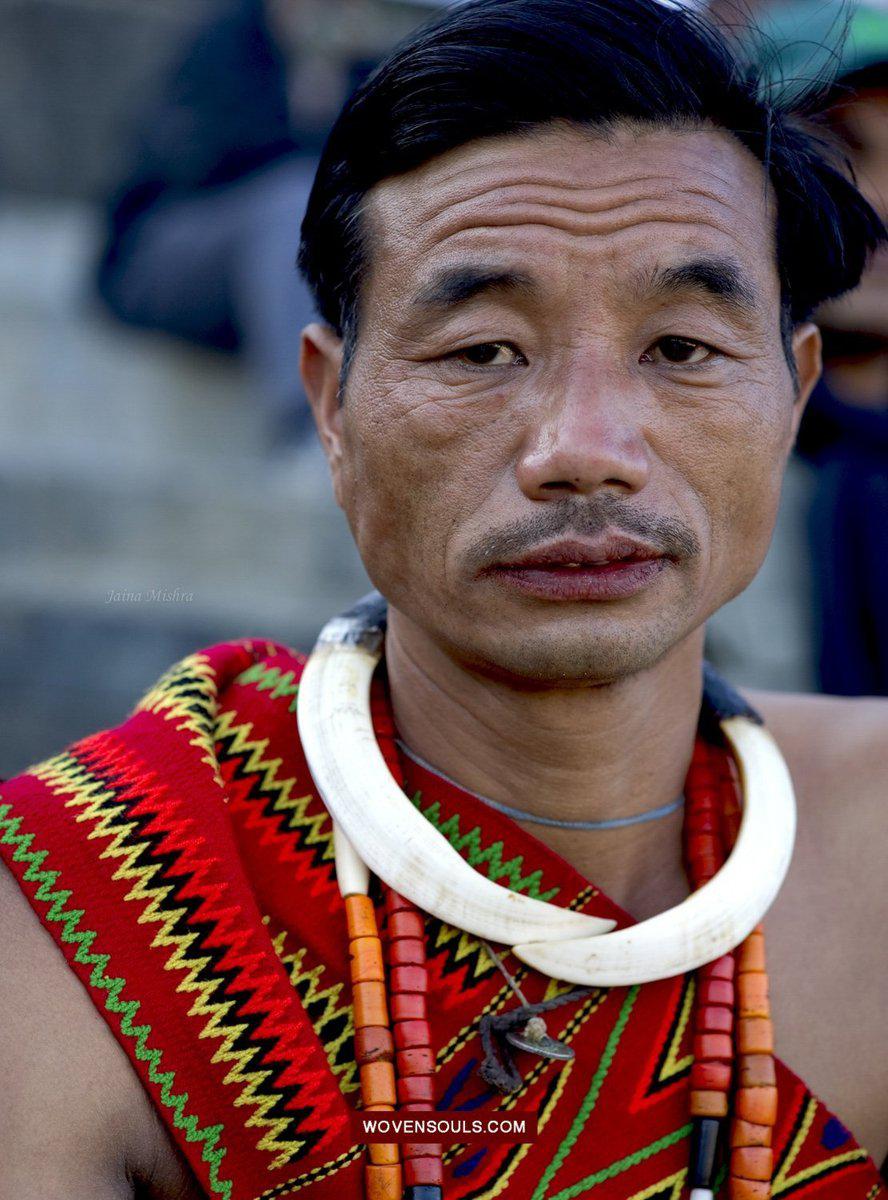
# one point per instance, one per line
(184, 866)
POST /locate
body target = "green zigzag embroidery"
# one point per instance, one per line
(281, 684)
(69, 919)
(490, 858)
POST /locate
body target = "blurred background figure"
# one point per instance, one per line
(205, 229)
(172, 143)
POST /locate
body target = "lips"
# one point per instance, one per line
(603, 569)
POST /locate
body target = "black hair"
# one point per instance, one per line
(494, 67)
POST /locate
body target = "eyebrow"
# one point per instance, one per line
(453, 286)
(721, 279)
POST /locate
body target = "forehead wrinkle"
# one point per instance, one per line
(580, 199)
(535, 189)
(585, 228)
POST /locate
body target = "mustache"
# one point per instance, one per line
(669, 536)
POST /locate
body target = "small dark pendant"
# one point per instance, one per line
(534, 1038)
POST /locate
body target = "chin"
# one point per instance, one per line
(579, 657)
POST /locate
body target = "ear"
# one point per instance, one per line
(806, 349)
(320, 364)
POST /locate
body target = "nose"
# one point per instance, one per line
(587, 437)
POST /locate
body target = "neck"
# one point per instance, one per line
(590, 753)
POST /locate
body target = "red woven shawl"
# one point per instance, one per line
(184, 866)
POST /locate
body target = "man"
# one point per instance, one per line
(563, 353)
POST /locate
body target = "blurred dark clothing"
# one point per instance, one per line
(848, 532)
(222, 116)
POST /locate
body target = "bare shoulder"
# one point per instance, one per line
(831, 741)
(837, 753)
(74, 1118)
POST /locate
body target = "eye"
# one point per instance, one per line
(679, 351)
(490, 354)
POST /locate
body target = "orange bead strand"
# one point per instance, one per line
(374, 1044)
(755, 1101)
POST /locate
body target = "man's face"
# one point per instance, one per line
(565, 423)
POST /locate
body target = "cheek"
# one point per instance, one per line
(735, 459)
(415, 471)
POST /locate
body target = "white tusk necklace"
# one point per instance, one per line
(396, 842)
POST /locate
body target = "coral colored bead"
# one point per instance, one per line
(383, 1152)
(752, 1162)
(378, 1082)
(711, 1076)
(409, 1034)
(409, 979)
(748, 1189)
(416, 1089)
(713, 1018)
(420, 1061)
(414, 1150)
(701, 845)
(758, 1104)
(395, 902)
(703, 821)
(418, 1106)
(369, 1004)
(373, 1043)
(409, 1006)
(407, 952)
(426, 1169)
(383, 1181)
(751, 955)
(716, 991)
(360, 917)
(716, 1046)
(757, 1070)
(405, 925)
(744, 1133)
(752, 995)
(709, 1104)
(703, 801)
(366, 960)
(755, 1035)
(706, 866)
(722, 968)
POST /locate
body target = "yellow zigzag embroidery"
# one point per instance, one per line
(676, 1182)
(307, 985)
(319, 827)
(672, 1064)
(173, 697)
(468, 950)
(65, 775)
